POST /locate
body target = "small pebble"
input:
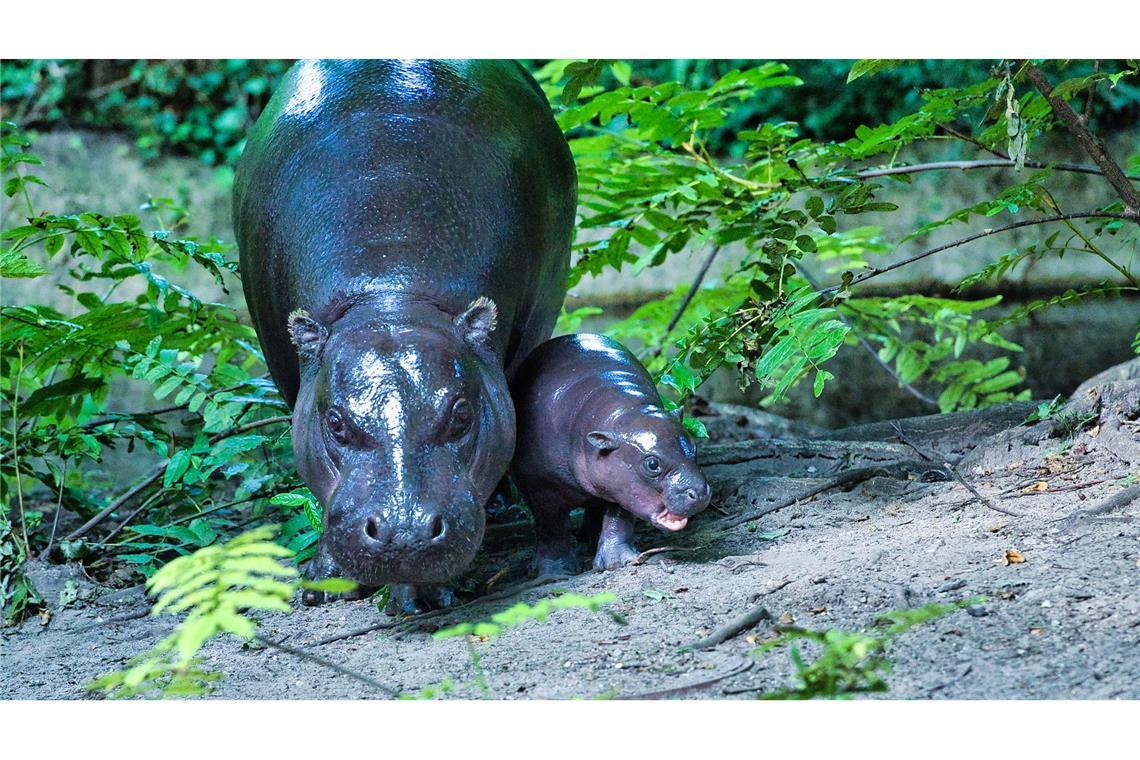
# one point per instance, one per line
(953, 585)
(977, 610)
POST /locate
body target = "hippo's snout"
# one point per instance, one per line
(379, 536)
(689, 497)
(392, 543)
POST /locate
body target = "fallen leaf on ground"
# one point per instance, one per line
(1034, 631)
(818, 610)
(786, 619)
(1040, 485)
(1094, 432)
(1012, 557)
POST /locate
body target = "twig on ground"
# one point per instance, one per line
(123, 618)
(958, 476)
(1092, 144)
(897, 427)
(434, 614)
(640, 558)
(689, 688)
(850, 477)
(1112, 503)
(950, 468)
(302, 654)
(749, 619)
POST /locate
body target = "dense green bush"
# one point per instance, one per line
(204, 108)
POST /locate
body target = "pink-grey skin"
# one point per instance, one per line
(593, 432)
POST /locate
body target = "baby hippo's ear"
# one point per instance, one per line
(602, 441)
(308, 334)
(477, 321)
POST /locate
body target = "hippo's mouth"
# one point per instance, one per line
(666, 520)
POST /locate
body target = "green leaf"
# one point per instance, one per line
(870, 66)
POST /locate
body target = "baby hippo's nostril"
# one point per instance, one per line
(691, 494)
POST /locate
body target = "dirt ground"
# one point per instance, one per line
(902, 531)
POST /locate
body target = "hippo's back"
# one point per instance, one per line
(439, 180)
(561, 372)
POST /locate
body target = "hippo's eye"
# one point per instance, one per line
(338, 428)
(461, 418)
(652, 466)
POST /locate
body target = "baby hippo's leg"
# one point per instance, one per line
(555, 551)
(615, 545)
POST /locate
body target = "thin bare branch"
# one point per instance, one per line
(688, 298)
(157, 472)
(1092, 144)
(876, 271)
(871, 350)
(989, 163)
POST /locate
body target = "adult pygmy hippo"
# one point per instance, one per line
(404, 229)
(593, 432)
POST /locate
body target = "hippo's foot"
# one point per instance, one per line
(614, 554)
(554, 559)
(615, 545)
(413, 600)
(321, 567)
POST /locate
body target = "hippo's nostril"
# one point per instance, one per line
(691, 494)
(371, 529)
(437, 528)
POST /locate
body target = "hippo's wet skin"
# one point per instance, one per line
(592, 432)
(404, 229)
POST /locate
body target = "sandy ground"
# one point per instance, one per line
(1064, 623)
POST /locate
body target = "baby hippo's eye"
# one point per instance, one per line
(338, 428)
(652, 466)
(461, 417)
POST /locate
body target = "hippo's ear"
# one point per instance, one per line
(602, 441)
(477, 321)
(308, 335)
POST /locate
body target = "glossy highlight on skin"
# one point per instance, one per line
(404, 229)
(593, 432)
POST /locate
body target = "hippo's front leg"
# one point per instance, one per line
(323, 566)
(615, 544)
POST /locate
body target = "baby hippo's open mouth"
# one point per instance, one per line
(666, 520)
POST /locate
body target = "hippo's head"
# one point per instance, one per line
(645, 461)
(402, 428)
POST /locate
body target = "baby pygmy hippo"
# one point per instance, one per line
(593, 432)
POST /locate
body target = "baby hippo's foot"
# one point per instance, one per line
(321, 567)
(614, 554)
(555, 559)
(414, 600)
